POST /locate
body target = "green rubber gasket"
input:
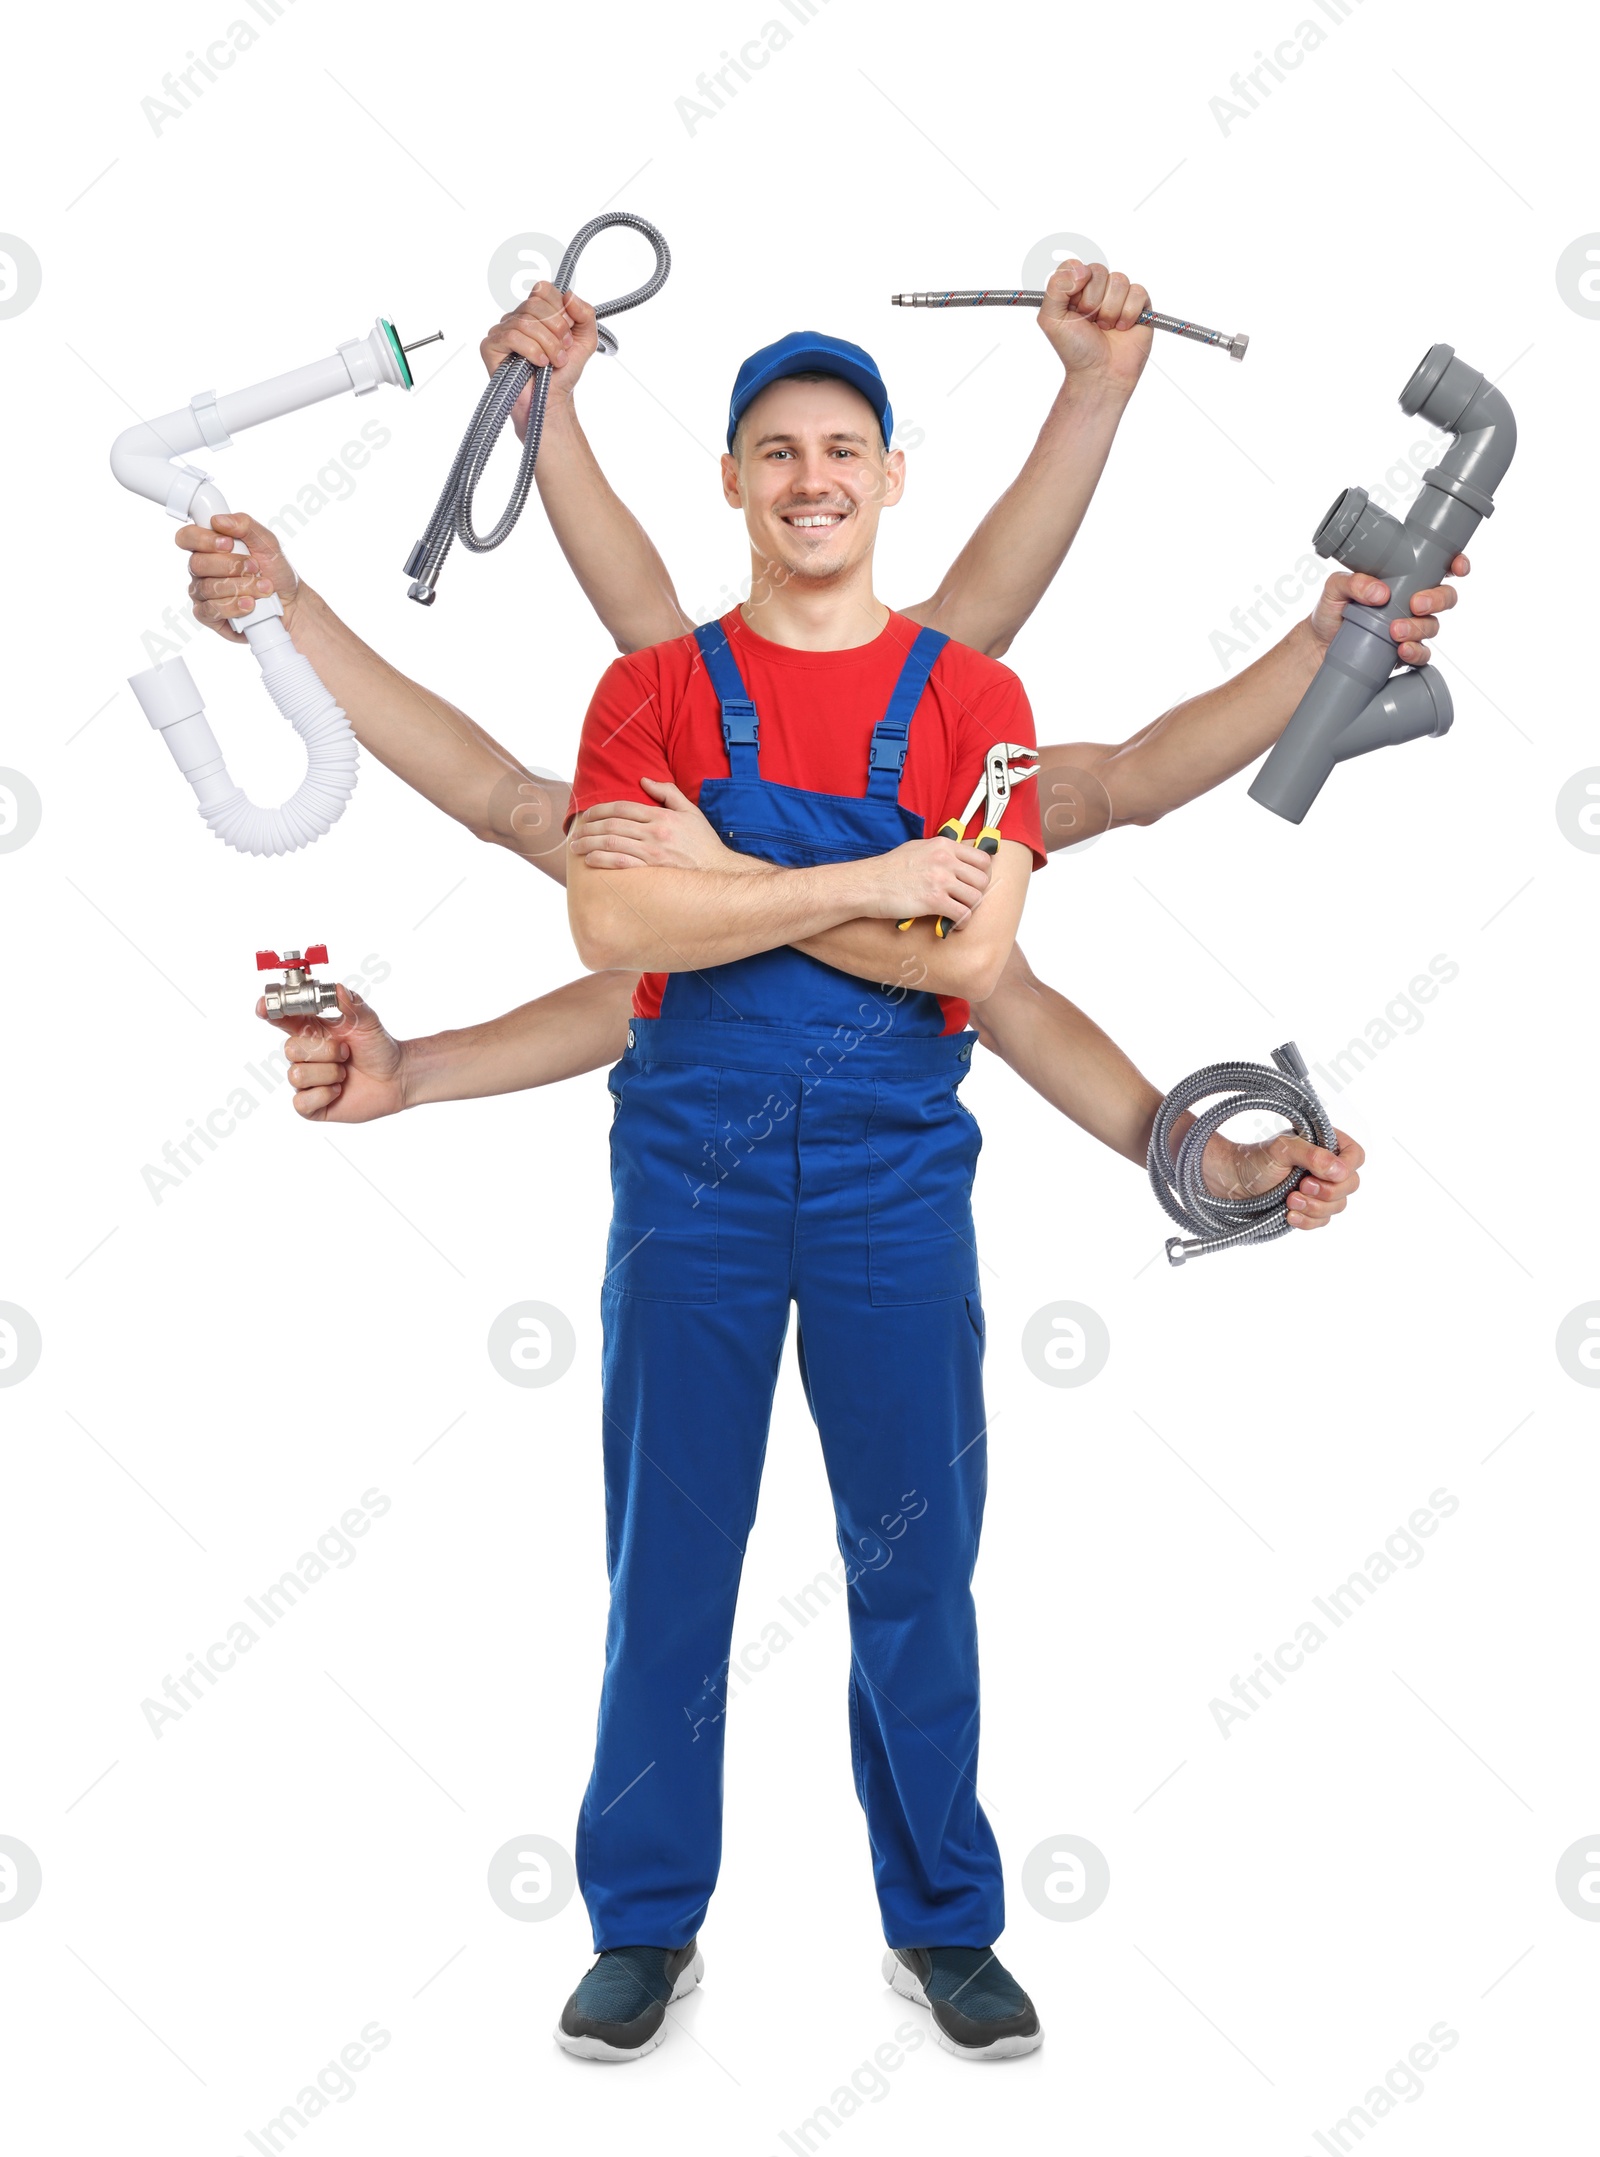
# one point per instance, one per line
(400, 358)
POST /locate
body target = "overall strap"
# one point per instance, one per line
(892, 732)
(740, 727)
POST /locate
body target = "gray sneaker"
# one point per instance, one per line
(619, 2011)
(979, 2010)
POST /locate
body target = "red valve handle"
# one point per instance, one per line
(313, 955)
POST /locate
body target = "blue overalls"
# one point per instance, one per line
(787, 1132)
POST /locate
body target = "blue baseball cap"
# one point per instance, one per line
(809, 352)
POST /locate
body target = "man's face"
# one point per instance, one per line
(811, 477)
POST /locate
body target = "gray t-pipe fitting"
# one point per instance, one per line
(1352, 705)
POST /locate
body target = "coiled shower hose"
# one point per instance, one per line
(1218, 1224)
(452, 518)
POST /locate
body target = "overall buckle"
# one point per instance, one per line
(740, 727)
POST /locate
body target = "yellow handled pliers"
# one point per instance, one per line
(1008, 764)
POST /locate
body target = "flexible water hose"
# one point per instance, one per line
(1235, 346)
(319, 800)
(1218, 1224)
(452, 517)
(172, 703)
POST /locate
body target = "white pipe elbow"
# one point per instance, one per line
(141, 458)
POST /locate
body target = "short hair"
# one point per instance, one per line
(810, 374)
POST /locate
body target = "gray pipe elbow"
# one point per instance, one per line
(1449, 394)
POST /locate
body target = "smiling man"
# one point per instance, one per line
(788, 1130)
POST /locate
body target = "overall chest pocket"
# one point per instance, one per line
(663, 1242)
(922, 1152)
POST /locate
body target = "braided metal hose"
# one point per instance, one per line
(452, 518)
(1217, 1224)
(1235, 346)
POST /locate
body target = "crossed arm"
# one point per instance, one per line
(845, 913)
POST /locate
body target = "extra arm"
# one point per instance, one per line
(1091, 318)
(1060, 1052)
(577, 1028)
(352, 1069)
(1008, 564)
(607, 549)
(1090, 787)
(421, 736)
(1064, 1056)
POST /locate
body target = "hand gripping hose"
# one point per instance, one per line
(452, 518)
(1217, 1224)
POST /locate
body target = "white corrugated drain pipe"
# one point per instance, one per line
(141, 459)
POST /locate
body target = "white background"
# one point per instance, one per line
(224, 1373)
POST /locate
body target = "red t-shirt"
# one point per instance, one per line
(656, 715)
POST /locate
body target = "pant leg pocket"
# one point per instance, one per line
(663, 1242)
(922, 1151)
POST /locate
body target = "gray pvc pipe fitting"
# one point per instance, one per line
(1352, 704)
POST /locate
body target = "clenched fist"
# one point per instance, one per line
(345, 1070)
(551, 331)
